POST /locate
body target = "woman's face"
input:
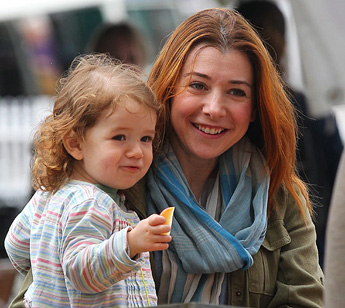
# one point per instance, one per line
(215, 110)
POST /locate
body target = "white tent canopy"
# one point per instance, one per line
(321, 35)
(15, 9)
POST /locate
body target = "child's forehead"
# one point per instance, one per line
(129, 105)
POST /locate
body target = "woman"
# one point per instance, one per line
(224, 106)
(242, 232)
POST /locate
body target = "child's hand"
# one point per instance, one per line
(148, 235)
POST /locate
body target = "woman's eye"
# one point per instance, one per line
(197, 85)
(146, 139)
(119, 137)
(237, 92)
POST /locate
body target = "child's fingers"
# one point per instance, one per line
(162, 238)
(156, 242)
(155, 220)
(160, 229)
(159, 246)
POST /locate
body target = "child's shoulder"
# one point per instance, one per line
(82, 196)
(78, 197)
(79, 190)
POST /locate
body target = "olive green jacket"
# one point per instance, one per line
(285, 273)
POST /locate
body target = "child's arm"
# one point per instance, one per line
(17, 242)
(148, 235)
(92, 256)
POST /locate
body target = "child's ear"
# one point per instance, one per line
(72, 143)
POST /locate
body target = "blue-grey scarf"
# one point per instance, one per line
(202, 249)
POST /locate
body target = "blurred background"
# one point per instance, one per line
(39, 39)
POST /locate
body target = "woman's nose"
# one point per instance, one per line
(213, 106)
(135, 151)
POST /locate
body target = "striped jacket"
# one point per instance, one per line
(76, 242)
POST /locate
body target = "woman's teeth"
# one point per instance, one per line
(208, 130)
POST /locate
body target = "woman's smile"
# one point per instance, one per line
(207, 129)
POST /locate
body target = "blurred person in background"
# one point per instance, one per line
(335, 244)
(319, 144)
(122, 41)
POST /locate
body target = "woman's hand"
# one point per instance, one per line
(148, 235)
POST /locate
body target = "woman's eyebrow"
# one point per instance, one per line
(209, 78)
(197, 74)
(240, 82)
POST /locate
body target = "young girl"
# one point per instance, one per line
(85, 248)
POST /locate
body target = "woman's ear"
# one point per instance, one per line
(73, 145)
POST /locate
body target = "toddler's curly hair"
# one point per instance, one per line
(93, 83)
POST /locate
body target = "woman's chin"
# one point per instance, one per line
(207, 153)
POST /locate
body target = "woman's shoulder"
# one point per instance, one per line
(286, 209)
(285, 218)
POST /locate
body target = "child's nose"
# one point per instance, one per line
(135, 151)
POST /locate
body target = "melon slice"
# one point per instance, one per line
(168, 213)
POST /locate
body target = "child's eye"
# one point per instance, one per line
(119, 137)
(146, 139)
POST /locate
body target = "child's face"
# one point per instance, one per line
(117, 150)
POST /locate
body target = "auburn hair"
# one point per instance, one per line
(275, 129)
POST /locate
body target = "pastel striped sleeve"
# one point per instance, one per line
(93, 259)
(17, 241)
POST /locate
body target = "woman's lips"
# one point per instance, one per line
(209, 129)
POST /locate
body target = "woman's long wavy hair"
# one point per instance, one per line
(92, 85)
(274, 131)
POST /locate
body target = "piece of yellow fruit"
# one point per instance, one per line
(168, 213)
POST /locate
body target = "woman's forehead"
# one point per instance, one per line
(210, 60)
